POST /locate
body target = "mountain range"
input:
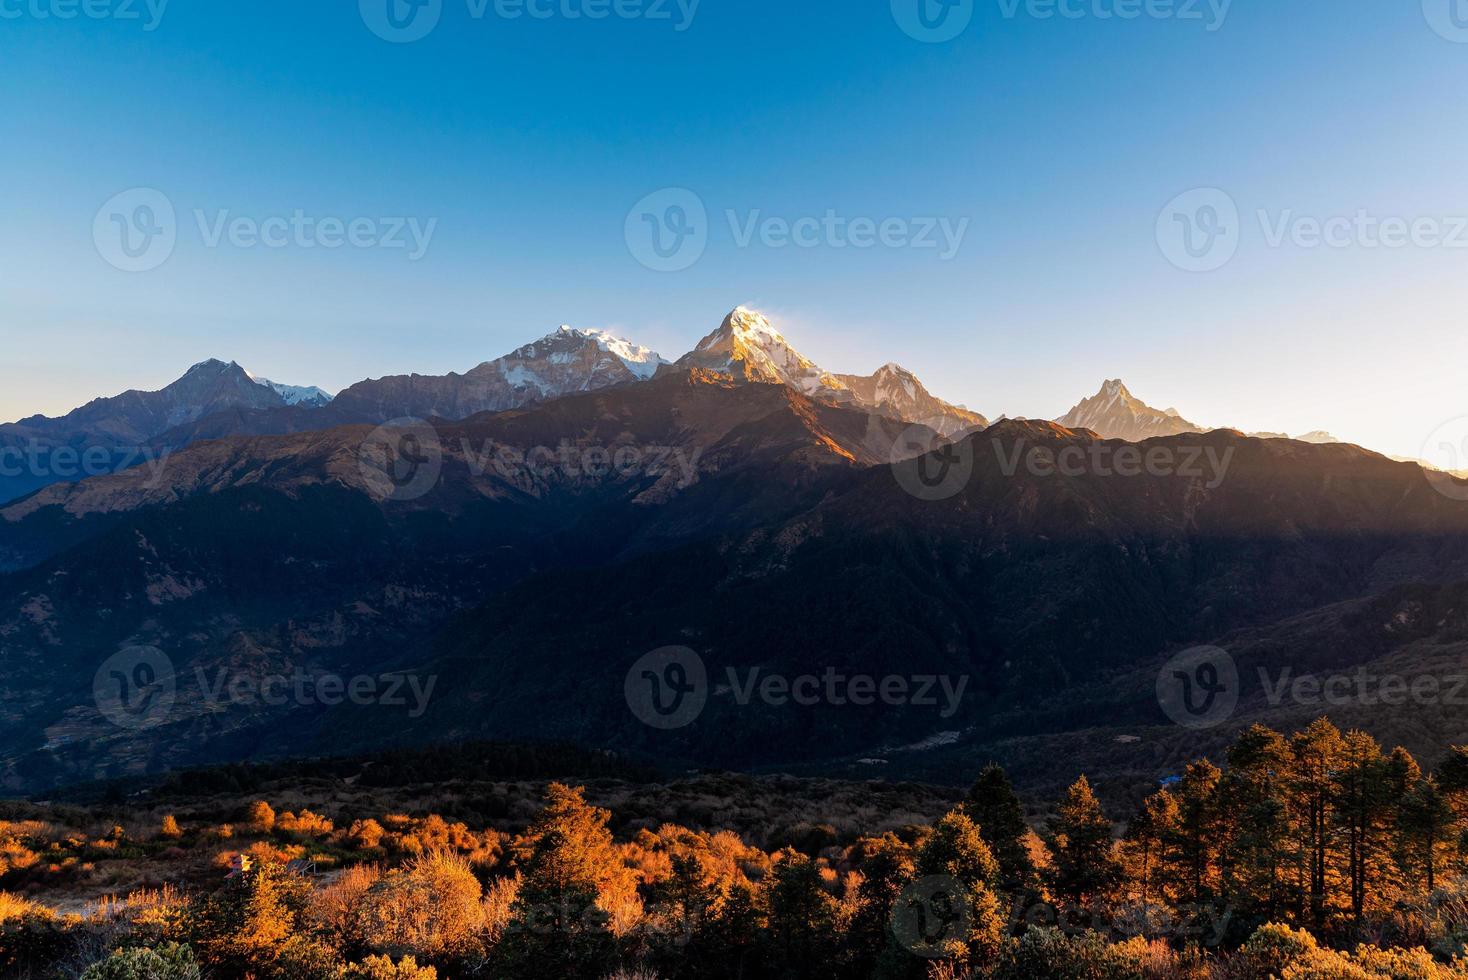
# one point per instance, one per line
(740, 502)
(112, 433)
(216, 399)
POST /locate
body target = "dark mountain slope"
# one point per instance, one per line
(273, 555)
(1034, 586)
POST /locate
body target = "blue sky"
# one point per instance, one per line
(526, 141)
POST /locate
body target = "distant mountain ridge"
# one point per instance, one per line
(748, 348)
(893, 390)
(1115, 413)
(215, 399)
(568, 361)
(108, 433)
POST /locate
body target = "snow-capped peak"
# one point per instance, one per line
(748, 347)
(641, 361)
(569, 360)
(745, 320)
(1115, 413)
(212, 366)
(308, 395)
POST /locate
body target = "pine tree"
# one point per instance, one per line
(569, 864)
(886, 869)
(802, 917)
(1428, 830)
(686, 901)
(1254, 793)
(992, 804)
(1086, 868)
(1145, 843)
(1365, 813)
(737, 933)
(1316, 758)
(244, 928)
(1198, 834)
(957, 849)
(1452, 778)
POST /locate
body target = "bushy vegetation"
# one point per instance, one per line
(1312, 856)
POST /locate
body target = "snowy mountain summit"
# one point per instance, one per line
(567, 344)
(748, 348)
(1115, 413)
(896, 392)
(566, 362)
(308, 396)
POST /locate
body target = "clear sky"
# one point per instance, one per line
(525, 142)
